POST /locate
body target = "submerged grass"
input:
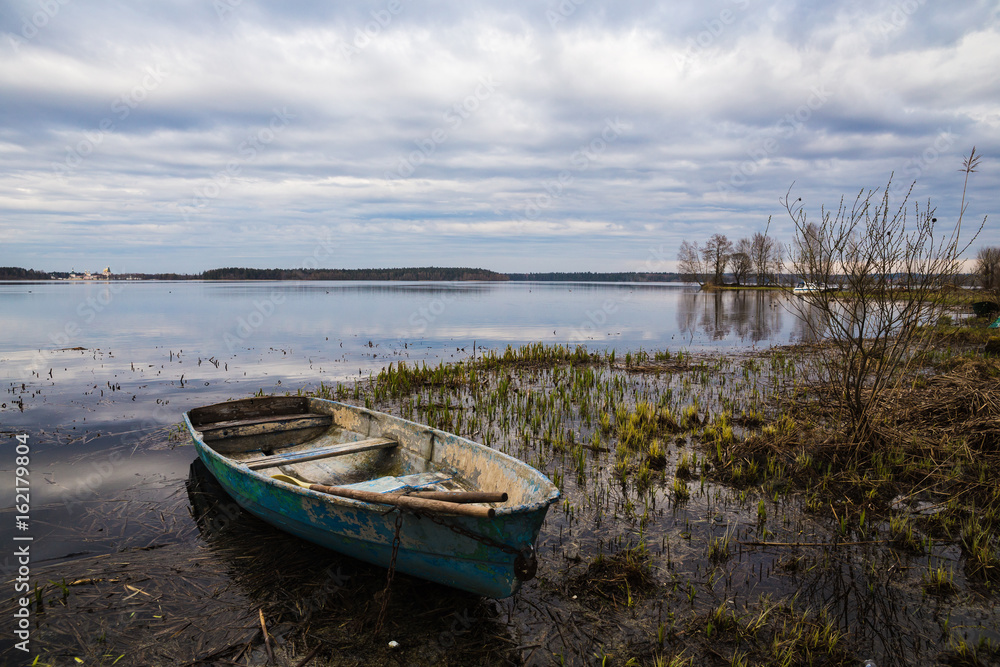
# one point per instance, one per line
(626, 440)
(772, 634)
(736, 476)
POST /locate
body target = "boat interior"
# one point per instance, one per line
(290, 436)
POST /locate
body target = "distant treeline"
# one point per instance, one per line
(17, 273)
(591, 277)
(416, 273)
(161, 276)
(428, 273)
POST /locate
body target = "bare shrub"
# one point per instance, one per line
(881, 273)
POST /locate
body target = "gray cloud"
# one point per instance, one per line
(441, 133)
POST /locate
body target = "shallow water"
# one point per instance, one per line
(92, 368)
(111, 472)
(184, 338)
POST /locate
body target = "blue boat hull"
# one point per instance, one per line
(463, 553)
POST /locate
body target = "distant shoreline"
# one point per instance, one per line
(759, 288)
(433, 274)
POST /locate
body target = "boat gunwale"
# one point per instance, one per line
(502, 511)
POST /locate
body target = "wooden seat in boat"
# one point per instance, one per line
(318, 451)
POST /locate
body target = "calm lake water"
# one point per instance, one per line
(98, 376)
(152, 350)
(192, 342)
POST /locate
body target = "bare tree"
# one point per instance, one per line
(892, 265)
(740, 261)
(813, 246)
(988, 270)
(716, 255)
(689, 263)
(766, 255)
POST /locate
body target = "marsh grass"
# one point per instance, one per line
(719, 549)
(938, 437)
(964, 653)
(656, 455)
(939, 581)
(772, 634)
(903, 533)
(634, 440)
(667, 445)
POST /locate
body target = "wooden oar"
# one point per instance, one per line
(397, 499)
(461, 496)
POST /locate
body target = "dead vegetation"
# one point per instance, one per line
(621, 579)
(926, 471)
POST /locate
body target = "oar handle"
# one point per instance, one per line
(400, 500)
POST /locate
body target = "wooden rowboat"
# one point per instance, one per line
(340, 476)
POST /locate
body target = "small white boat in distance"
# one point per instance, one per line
(811, 288)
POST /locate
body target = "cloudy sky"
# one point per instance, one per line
(516, 136)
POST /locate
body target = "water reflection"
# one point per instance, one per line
(223, 320)
(227, 290)
(755, 317)
(80, 356)
(877, 597)
(123, 349)
(312, 593)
